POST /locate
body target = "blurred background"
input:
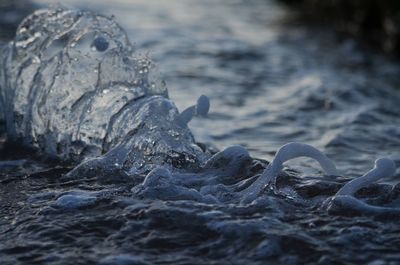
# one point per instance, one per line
(319, 72)
(375, 22)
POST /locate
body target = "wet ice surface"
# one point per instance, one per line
(269, 85)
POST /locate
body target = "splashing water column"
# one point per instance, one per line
(286, 152)
(200, 109)
(384, 167)
(345, 199)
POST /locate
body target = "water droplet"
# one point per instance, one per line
(174, 133)
(22, 30)
(35, 60)
(100, 44)
(189, 159)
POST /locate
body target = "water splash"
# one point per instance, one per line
(199, 213)
(74, 88)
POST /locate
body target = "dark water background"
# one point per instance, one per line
(270, 82)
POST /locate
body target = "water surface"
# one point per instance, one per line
(269, 83)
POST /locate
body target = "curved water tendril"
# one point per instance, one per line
(286, 152)
(345, 199)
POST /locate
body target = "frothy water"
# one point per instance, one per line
(269, 84)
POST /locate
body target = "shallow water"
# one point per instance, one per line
(269, 83)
